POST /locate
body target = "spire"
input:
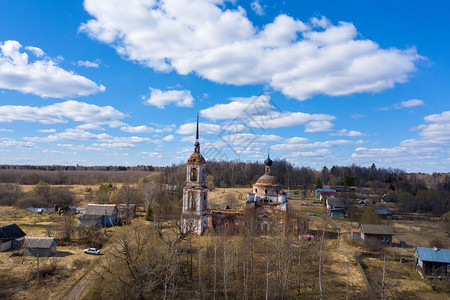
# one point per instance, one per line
(197, 143)
(268, 163)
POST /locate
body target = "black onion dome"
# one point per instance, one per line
(268, 161)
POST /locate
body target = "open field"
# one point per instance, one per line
(18, 273)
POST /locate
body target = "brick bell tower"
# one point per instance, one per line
(195, 193)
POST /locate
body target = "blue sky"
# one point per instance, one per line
(319, 83)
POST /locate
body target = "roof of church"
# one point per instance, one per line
(268, 161)
(196, 158)
(267, 180)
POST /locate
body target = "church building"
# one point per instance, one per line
(195, 193)
(267, 202)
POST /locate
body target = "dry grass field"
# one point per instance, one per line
(18, 273)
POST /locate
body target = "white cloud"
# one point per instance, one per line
(151, 154)
(161, 98)
(412, 103)
(257, 8)
(357, 116)
(300, 143)
(204, 128)
(47, 130)
(222, 45)
(6, 130)
(317, 126)
(404, 104)
(242, 107)
(145, 129)
(40, 77)
(115, 146)
(8, 143)
(61, 113)
(346, 132)
(90, 126)
(82, 135)
(430, 147)
(36, 51)
(260, 112)
(317, 153)
(168, 138)
(88, 64)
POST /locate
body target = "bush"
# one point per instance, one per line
(437, 243)
(91, 236)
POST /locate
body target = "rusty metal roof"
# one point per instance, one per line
(196, 158)
(267, 180)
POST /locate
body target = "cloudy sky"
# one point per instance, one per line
(319, 83)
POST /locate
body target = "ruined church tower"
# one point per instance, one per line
(195, 193)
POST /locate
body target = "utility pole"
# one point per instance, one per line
(339, 232)
(267, 280)
(37, 252)
(348, 273)
(105, 221)
(384, 273)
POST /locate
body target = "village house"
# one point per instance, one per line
(125, 213)
(11, 237)
(318, 191)
(99, 215)
(335, 207)
(381, 233)
(323, 195)
(39, 246)
(432, 262)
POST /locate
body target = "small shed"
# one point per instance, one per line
(99, 215)
(377, 232)
(11, 237)
(42, 246)
(432, 262)
(355, 234)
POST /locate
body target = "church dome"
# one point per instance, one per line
(267, 180)
(268, 161)
(196, 158)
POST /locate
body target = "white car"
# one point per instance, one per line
(92, 251)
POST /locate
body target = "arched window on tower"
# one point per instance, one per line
(193, 174)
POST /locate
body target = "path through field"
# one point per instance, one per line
(78, 288)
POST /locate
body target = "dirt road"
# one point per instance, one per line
(78, 288)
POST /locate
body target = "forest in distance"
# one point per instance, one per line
(416, 192)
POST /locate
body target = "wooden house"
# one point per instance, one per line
(42, 246)
(11, 237)
(99, 215)
(335, 207)
(377, 232)
(432, 262)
